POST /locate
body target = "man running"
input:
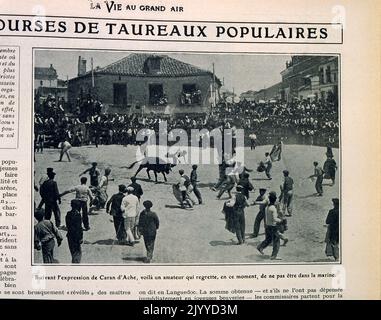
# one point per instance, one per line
(194, 181)
(94, 174)
(319, 175)
(83, 195)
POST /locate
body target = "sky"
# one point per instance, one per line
(241, 72)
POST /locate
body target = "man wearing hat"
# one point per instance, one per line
(129, 208)
(50, 195)
(148, 225)
(238, 203)
(74, 234)
(333, 231)
(287, 191)
(94, 174)
(113, 207)
(45, 178)
(42, 180)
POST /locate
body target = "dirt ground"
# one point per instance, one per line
(195, 236)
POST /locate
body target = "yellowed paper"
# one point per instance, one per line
(143, 63)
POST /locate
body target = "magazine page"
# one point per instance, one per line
(219, 150)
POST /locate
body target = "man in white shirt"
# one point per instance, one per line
(103, 183)
(253, 141)
(268, 164)
(129, 208)
(83, 195)
(183, 185)
(271, 229)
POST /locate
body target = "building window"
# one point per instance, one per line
(156, 95)
(120, 94)
(328, 74)
(307, 82)
(190, 94)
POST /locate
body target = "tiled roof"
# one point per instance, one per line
(135, 64)
(45, 73)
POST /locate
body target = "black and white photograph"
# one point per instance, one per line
(185, 158)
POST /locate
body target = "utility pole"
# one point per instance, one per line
(92, 73)
(214, 87)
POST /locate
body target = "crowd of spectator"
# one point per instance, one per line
(298, 122)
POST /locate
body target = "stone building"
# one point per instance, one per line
(147, 83)
(311, 77)
(46, 83)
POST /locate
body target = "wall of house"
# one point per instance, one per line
(45, 83)
(138, 92)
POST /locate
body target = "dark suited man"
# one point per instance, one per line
(148, 225)
(194, 181)
(246, 185)
(113, 208)
(74, 231)
(50, 195)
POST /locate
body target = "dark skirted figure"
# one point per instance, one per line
(276, 151)
(113, 208)
(333, 232)
(271, 228)
(194, 181)
(238, 203)
(44, 234)
(74, 231)
(50, 195)
(329, 152)
(330, 168)
(148, 225)
(319, 175)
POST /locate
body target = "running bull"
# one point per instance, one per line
(156, 164)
